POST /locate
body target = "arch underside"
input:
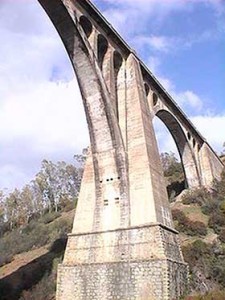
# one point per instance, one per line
(186, 154)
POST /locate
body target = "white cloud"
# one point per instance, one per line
(41, 110)
(41, 113)
(169, 4)
(159, 43)
(189, 100)
(48, 122)
(153, 63)
(213, 133)
(212, 128)
(137, 10)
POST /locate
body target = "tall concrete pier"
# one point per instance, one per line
(123, 244)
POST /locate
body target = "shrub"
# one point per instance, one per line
(222, 235)
(5, 259)
(214, 295)
(49, 217)
(184, 224)
(216, 221)
(196, 228)
(217, 270)
(195, 251)
(178, 215)
(222, 206)
(4, 228)
(198, 196)
(66, 204)
(34, 235)
(210, 206)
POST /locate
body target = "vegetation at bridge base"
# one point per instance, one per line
(214, 295)
(34, 223)
(38, 217)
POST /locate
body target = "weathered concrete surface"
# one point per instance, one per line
(123, 245)
(136, 263)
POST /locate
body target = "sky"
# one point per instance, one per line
(41, 113)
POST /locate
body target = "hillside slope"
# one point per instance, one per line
(29, 255)
(32, 274)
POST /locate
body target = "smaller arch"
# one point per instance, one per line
(194, 142)
(117, 62)
(147, 89)
(154, 99)
(86, 25)
(189, 136)
(102, 49)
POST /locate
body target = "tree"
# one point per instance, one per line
(12, 208)
(57, 183)
(172, 169)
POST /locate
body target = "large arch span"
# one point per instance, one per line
(181, 140)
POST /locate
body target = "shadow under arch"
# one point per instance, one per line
(102, 49)
(117, 63)
(86, 25)
(186, 155)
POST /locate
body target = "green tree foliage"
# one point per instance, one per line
(57, 183)
(173, 170)
(54, 188)
(208, 259)
(45, 230)
(174, 175)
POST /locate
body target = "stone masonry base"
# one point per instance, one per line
(126, 277)
(146, 280)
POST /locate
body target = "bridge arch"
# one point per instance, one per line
(117, 64)
(147, 89)
(185, 152)
(123, 186)
(105, 135)
(102, 46)
(86, 25)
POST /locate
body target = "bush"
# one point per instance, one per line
(4, 228)
(216, 221)
(198, 196)
(222, 235)
(222, 206)
(34, 235)
(178, 215)
(196, 228)
(5, 259)
(214, 295)
(49, 217)
(185, 225)
(66, 204)
(195, 251)
(208, 259)
(210, 206)
(217, 270)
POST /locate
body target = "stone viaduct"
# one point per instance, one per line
(123, 244)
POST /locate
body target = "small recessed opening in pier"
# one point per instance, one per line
(86, 25)
(154, 99)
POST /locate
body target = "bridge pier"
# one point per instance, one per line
(123, 244)
(136, 263)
